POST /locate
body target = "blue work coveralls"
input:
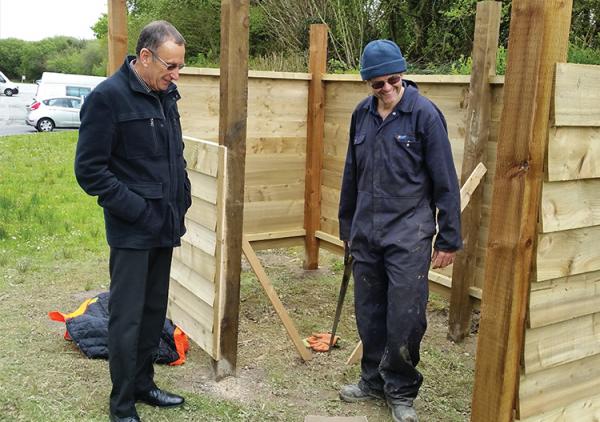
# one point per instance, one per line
(398, 171)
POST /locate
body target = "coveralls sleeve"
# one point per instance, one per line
(445, 190)
(92, 157)
(349, 190)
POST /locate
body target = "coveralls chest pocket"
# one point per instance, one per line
(404, 164)
(138, 137)
(360, 153)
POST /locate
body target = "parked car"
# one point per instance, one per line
(7, 87)
(50, 113)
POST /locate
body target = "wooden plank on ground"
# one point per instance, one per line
(566, 253)
(564, 298)
(577, 95)
(561, 343)
(570, 205)
(539, 34)
(265, 282)
(560, 386)
(573, 153)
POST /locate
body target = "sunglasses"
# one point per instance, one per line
(169, 66)
(392, 80)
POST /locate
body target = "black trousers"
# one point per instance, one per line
(391, 292)
(139, 289)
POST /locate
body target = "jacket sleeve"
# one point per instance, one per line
(92, 157)
(349, 190)
(445, 190)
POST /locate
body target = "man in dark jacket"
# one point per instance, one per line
(398, 173)
(130, 155)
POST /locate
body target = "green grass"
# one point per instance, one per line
(53, 255)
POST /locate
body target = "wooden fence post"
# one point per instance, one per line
(233, 104)
(117, 35)
(314, 144)
(485, 45)
(539, 34)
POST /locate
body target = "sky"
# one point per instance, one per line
(33, 20)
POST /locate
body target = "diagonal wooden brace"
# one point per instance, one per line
(265, 282)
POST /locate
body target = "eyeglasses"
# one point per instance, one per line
(392, 80)
(169, 66)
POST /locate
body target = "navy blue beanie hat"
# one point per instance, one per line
(381, 57)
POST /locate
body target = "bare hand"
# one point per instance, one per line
(441, 259)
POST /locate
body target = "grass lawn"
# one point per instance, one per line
(53, 255)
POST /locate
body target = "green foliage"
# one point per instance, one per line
(55, 54)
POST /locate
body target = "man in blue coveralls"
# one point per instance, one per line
(398, 172)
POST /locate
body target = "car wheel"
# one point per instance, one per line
(8, 92)
(45, 125)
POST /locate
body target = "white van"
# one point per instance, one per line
(7, 87)
(64, 84)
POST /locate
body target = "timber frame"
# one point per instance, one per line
(539, 31)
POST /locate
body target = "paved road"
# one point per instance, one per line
(13, 111)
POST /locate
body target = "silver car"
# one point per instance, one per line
(47, 114)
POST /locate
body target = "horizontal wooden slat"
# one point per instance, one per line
(276, 145)
(267, 169)
(201, 262)
(570, 205)
(274, 235)
(202, 156)
(197, 285)
(273, 216)
(555, 387)
(561, 343)
(585, 410)
(573, 153)
(197, 331)
(274, 192)
(200, 237)
(203, 186)
(564, 298)
(203, 213)
(570, 252)
(577, 95)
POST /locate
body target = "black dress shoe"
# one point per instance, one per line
(114, 418)
(160, 398)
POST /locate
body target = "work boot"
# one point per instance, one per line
(353, 393)
(403, 413)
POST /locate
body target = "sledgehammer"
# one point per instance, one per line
(343, 288)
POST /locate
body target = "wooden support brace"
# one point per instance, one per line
(465, 196)
(263, 278)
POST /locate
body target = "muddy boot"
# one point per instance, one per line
(403, 413)
(353, 393)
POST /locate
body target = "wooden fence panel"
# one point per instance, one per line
(577, 95)
(197, 267)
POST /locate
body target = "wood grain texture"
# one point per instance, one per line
(577, 95)
(539, 39)
(573, 153)
(570, 205)
(566, 253)
(117, 35)
(585, 410)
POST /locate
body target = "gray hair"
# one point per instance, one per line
(156, 34)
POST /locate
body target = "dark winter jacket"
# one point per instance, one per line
(397, 173)
(130, 155)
